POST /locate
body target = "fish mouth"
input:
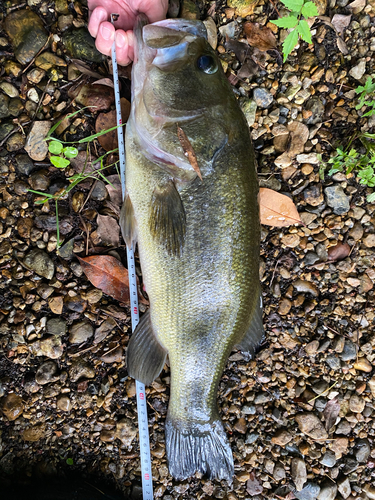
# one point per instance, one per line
(161, 45)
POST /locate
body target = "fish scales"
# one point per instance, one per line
(204, 287)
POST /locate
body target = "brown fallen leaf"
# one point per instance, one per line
(108, 274)
(188, 150)
(108, 120)
(331, 412)
(338, 252)
(260, 37)
(277, 209)
(108, 230)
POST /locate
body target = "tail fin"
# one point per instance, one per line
(204, 449)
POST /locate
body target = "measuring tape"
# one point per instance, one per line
(144, 440)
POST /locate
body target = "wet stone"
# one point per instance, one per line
(46, 373)
(357, 403)
(12, 406)
(363, 365)
(9, 89)
(279, 472)
(262, 97)
(126, 432)
(81, 369)
(349, 352)
(15, 106)
(282, 437)
(34, 433)
(311, 258)
(114, 356)
(63, 403)
(99, 193)
(66, 251)
(38, 261)
(15, 142)
(36, 146)
(27, 34)
(362, 451)
(333, 362)
(80, 332)
(39, 181)
(298, 473)
(5, 129)
(46, 60)
(56, 326)
(81, 45)
(328, 490)
(328, 459)
(316, 107)
(4, 106)
(309, 492)
(24, 227)
(337, 199)
(310, 425)
(36, 75)
(50, 347)
(313, 195)
(343, 485)
(24, 164)
(306, 287)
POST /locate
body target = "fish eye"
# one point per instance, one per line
(207, 64)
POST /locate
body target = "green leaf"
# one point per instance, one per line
(59, 162)
(286, 22)
(70, 152)
(289, 43)
(371, 197)
(304, 30)
(293, 5)
(69, 461)
(309, 10)
(55, 147)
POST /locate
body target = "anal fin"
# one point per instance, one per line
(167, 218)
(128, 223)
(255, 333)
(145, 356)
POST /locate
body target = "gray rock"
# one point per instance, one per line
(349, 352)
(251, 438)
(80, 332)
(309, 492)
(310, 258)
(56, 326)
(228, 30)
(15, 106)
(362, 450)
(249, 108)
(81, 369)
(313, 195)
(46, 373)
(328, 490)
(328, 459)
(343, 485)
(38, 261)
(63, 403)
(343, 428)
(36, 146)
(66, 251)
(298, 473)
(337, 199)
(279, 472)
(262, 97)
(333, 362)
(99, 193)
(249, 410)
(359, 70)
(24, 164)
(316, 106)
(4, 106)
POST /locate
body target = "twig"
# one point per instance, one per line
(33, 59)
(40, 101)
(323, 393)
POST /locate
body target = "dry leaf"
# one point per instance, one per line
(338, 252)
(108, 274)
(85, 68)
(260, 37)
(104, 81)
(277, 209)
(108, 230)
(340, 22)
(108, 120)
(331, 412)
(188, 150)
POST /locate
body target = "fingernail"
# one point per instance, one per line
(120, 40)
(106, 33)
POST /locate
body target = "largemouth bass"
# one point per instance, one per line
(191, 205)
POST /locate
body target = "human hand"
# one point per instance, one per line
(105, 33)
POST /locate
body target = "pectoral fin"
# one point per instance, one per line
(145, 356)
(255, 332)
(128, 223)
(167, 218)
